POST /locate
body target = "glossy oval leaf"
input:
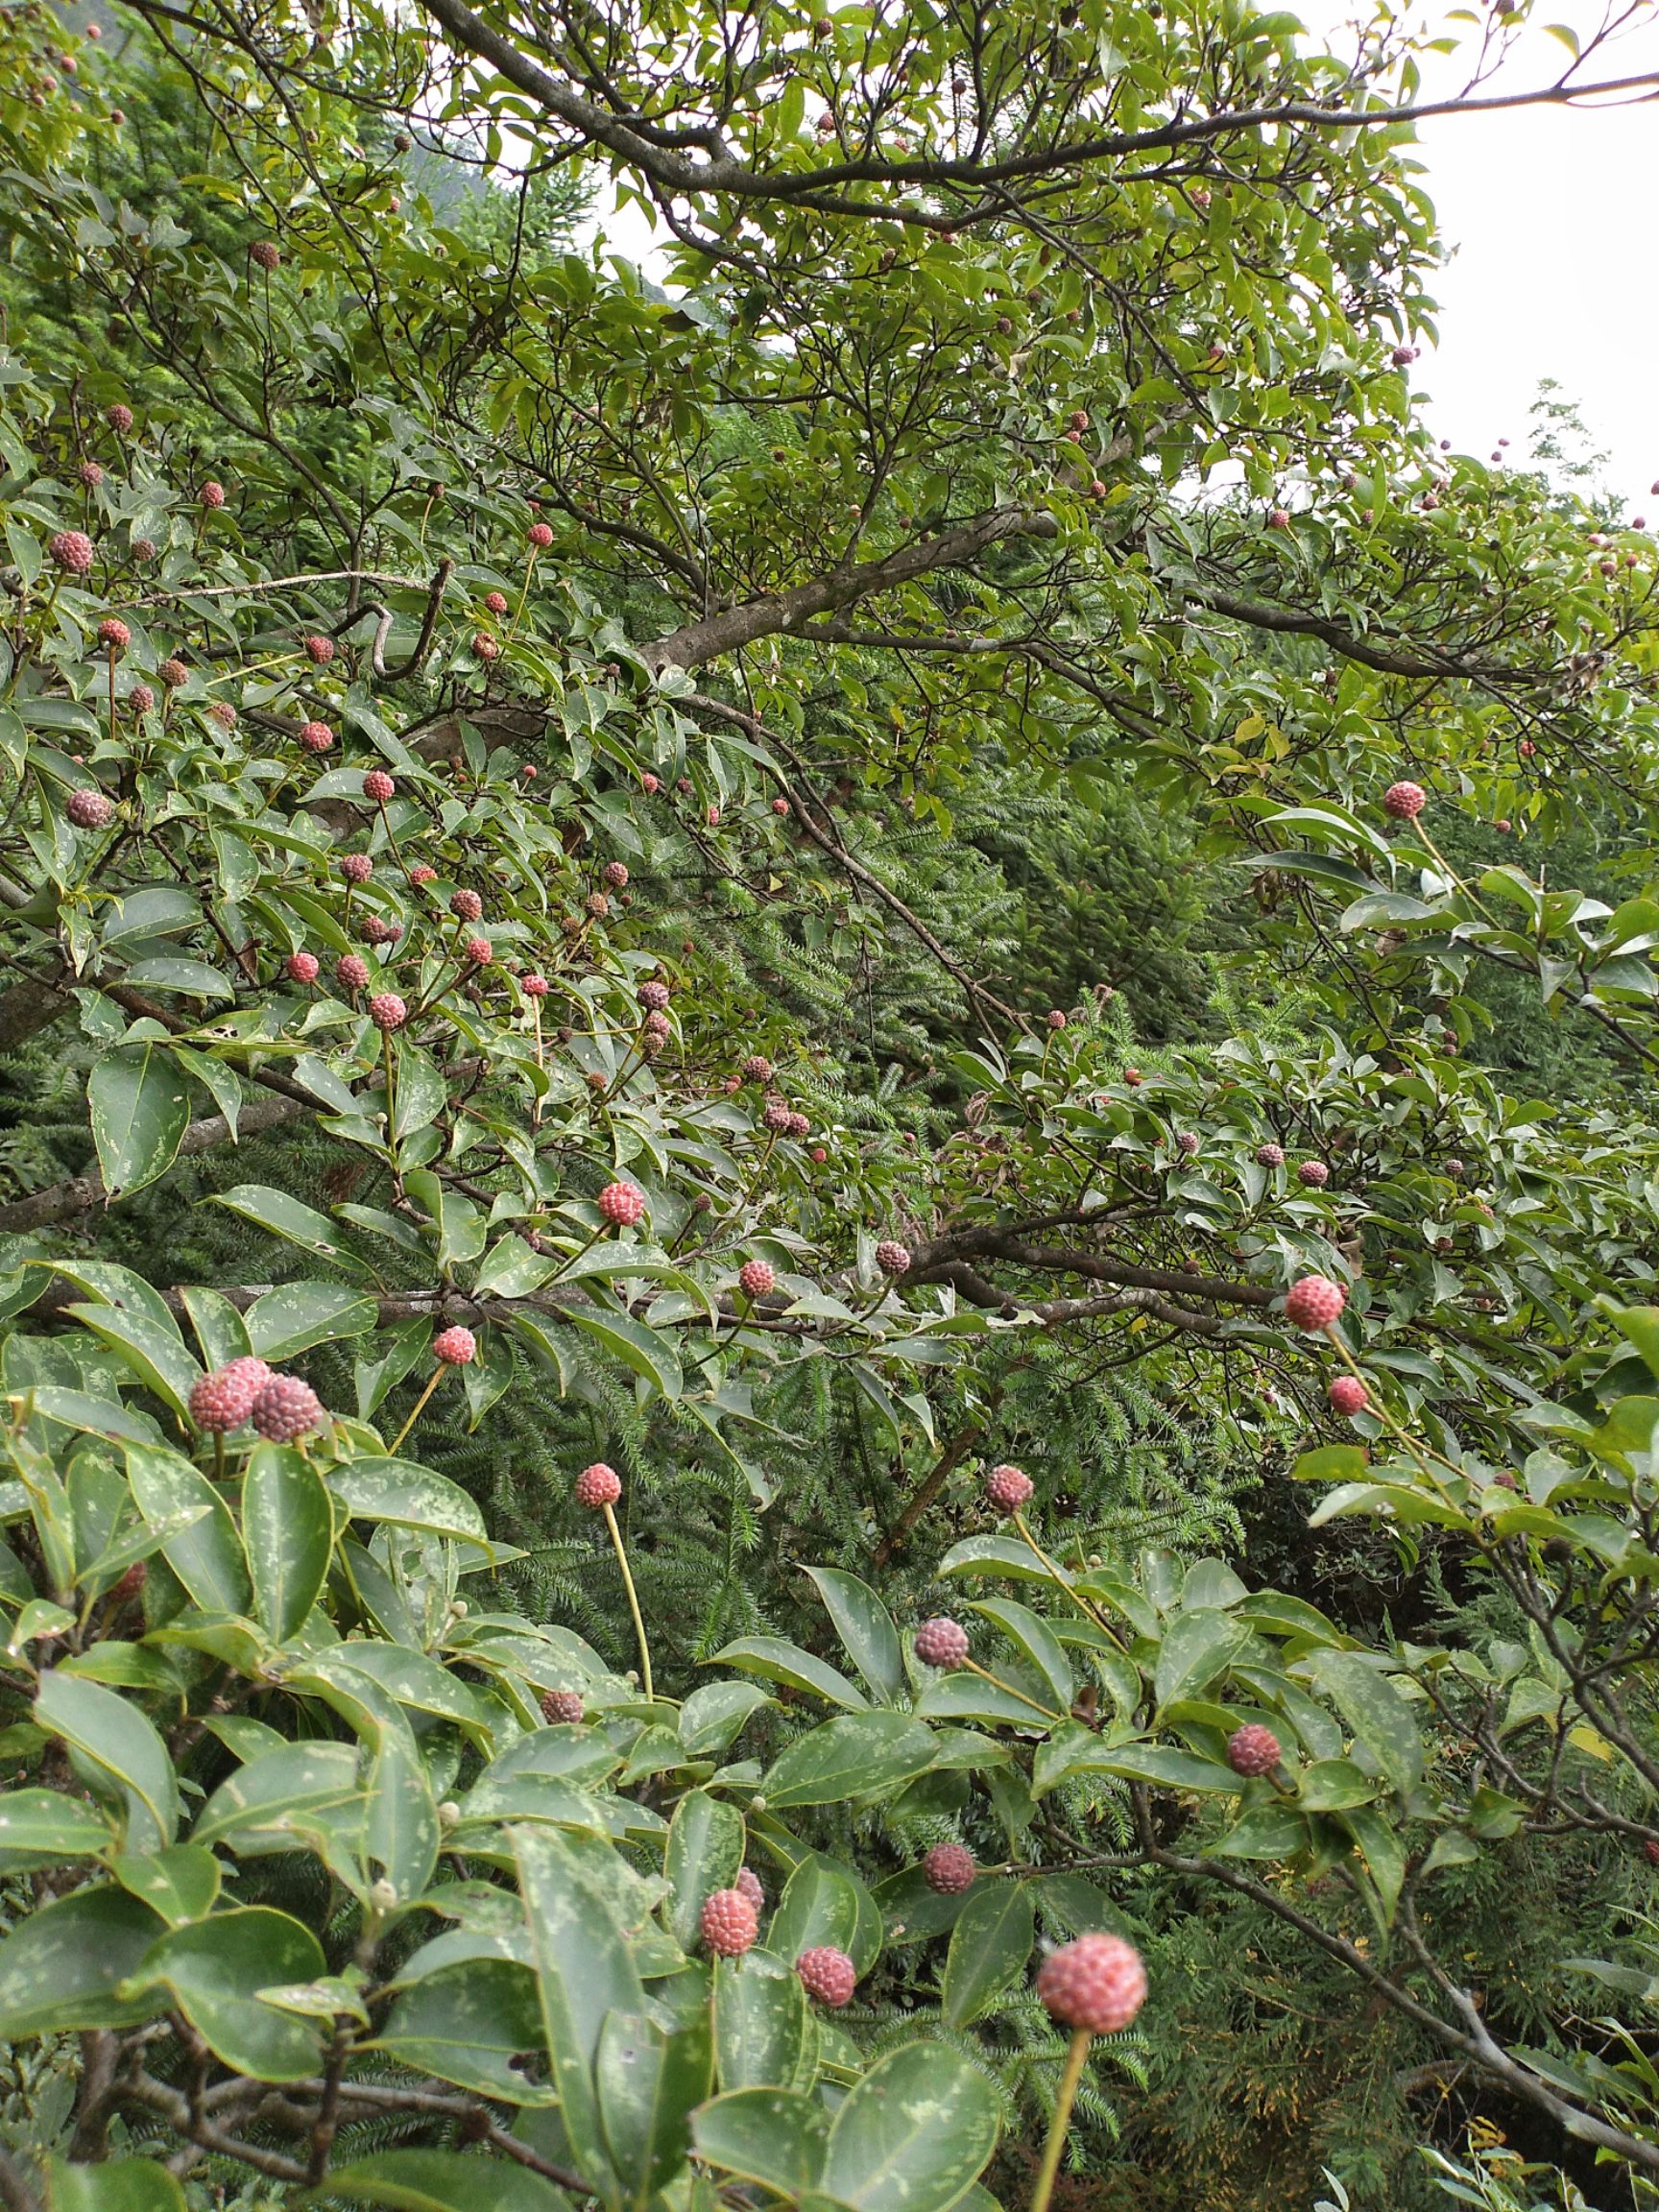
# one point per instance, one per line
(914, 2135)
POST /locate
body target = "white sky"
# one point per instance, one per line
(1551, 213)
(1555, 275)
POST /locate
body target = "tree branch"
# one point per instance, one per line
(783, 612)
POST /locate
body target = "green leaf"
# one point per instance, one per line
(400, 1832)
(866, 1630)
(207, 1555)
(1039, 1644)
(407, 1496)
(288, 1531)
(288, 1218)
(764, 2035)
(650, 2082)
(214, 1970)
(263, 1806)
(712, 1717)
(443, 2181)
(1640, 1324)
(116, 1743)
(704, 1851)
(635, 1345)
(1197, 1648)
(466, 2024)
(1160, 1764)
(989, 1947)
(121, 2185)
(779, 1661)
(39, 1827)
(823, 1903)
(774, 2137)
(1379, 1715)
(584, 1970)
(296, 1315)
(61, 1966)
(856, 1755)
(914, 2135)
(1003, 1558)
(154, 1351)
(140, 1107)
(181, 1883)
(220, 1328)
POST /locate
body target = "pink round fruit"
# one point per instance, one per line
(211, 493)
(755, 1278)
(1055, 1019)
(779, 805)
(828, 1974)
(466, 906)
(423, 873)
(941, 1642)
(301, 966)
(454, 1347)
(316, 736)
(1008, 1487)
(174, 673)
(378, 786)
(654, 996)
(748, 1882)
(1348, 1395)
(1405, 802)
(540, 536)
(1270, 1155)
(1097, 1983)
(353, 970)
(265, 254)
(1253, 1750)
(485, 646)
(949, 1869)
(892, 1256)
(1314, 1303)
(598, 1486)
(319, 651)
(72, 551)
(223, 712)
(757, 1068)
(356, 867)
(729, 1923)
(1314, 1173)
(649, 784)
(616, 874)
(535, 986)
(286, 1409)
(89, 809)
(1187, 1143)
(387, 1011)
(560, 1707)
(119, 416)
(224, 1399)
(496, 602)
(480, 952)
(622, 1204)
(90, 475)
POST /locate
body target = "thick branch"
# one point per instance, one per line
(784, 611)
(721, 171)
(62, 1201)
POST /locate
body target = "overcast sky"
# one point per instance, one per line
(1553, 215)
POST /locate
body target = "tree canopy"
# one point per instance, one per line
(828, 1211)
